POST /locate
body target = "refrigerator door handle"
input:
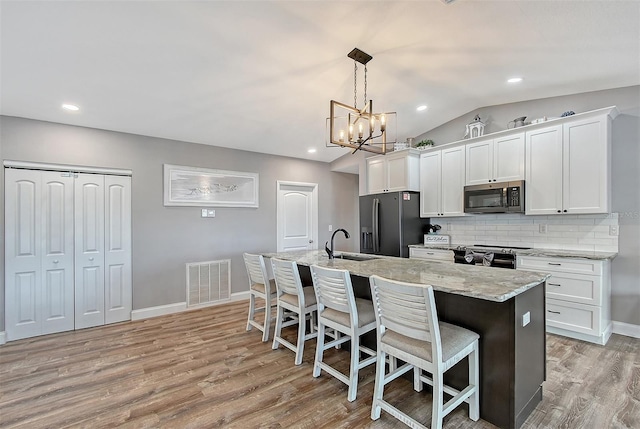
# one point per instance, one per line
(374, 217)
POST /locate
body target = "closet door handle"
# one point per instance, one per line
(91, 258)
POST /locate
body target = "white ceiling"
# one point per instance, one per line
(258, 75)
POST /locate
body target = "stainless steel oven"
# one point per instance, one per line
(487, 255)
(503, 197)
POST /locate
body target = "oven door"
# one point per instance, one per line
(489, 198)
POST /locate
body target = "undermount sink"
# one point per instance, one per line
(352, 257)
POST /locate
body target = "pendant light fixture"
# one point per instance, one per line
(360, 129)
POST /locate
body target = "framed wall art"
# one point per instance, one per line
(192, 186)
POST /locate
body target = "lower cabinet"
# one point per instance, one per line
(578, 296)
(439, 255)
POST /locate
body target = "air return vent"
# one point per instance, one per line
(208, 282)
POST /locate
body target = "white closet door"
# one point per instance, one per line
(89, 250)
(57, 252)
(117, 249)
(23, 273)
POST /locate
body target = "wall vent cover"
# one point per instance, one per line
(208, 282)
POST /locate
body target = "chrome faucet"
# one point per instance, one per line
(330, 250)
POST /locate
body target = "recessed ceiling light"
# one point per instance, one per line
(312, 150)
(515, 80)
(70, 107)
(421, 108)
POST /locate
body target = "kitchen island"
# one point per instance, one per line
(505, 307)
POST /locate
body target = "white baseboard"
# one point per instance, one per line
(3, 337)
(626, 329)
(163, 310)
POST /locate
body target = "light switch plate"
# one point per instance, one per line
(203, 213)
(542, 228)
(211, 213)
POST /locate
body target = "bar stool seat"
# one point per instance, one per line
(408, 329)
(260, 286)
(338, 309)
(297, 301)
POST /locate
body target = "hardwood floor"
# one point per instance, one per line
(202, 369)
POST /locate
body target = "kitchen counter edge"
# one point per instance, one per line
(550, 253)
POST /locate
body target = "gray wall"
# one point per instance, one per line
(165, 238)
(625, 299)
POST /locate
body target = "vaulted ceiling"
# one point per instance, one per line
(258, 75)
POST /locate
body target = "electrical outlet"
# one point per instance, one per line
(613, 230)
(330, 228)
(211, 213)
(526, 318)
(542, 228)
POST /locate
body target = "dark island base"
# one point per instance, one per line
(512, 357)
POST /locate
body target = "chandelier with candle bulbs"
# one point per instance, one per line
(360, 129)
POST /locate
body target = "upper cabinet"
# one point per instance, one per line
(568, 166)
(495, 160)
(442, 182)
(397, 171)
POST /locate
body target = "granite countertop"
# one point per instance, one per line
(468, 280)
(552, 253)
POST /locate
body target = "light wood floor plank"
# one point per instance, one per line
(201, 369)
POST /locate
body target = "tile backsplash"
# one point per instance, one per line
(566, 232)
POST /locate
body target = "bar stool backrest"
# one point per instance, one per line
(257, 271)
(334, 290)
(287, 278)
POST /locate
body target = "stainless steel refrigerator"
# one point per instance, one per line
(390, 222)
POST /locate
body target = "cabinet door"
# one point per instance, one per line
(479, 167)
(508, 158)
(543, 186)
(376, 175)
(452, 181)
(430, 184)
(586, 159)
(397, 173)
(89, 250)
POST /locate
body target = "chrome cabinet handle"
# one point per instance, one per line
(554, 312)
(554, 284)
(553, 263)
(310, 241)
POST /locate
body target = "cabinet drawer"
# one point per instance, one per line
(575, 288)
(573, 317)
(431, 254)
(565, 265)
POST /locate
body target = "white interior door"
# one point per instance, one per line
(89, 251)
(297, 219)
(57, 252)
(117, 248)
(39, 252)
(23, 273)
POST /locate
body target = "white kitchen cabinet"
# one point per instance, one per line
(397, 171)
(428, 254)
(442, 182)
(578, 296)
(495, 160)
(568, 167)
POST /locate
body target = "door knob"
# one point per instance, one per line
(55, 261)
(91, 259)
(310, 241)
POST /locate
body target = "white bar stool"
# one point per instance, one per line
(408, 329)
(261, 287)
(295, 298)
(340, 310)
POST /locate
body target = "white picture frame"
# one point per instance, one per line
(197, 187)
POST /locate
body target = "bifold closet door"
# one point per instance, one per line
(39, 253)
(117, 247)
(89, 250)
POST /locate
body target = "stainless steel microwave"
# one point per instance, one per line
(503, 197)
